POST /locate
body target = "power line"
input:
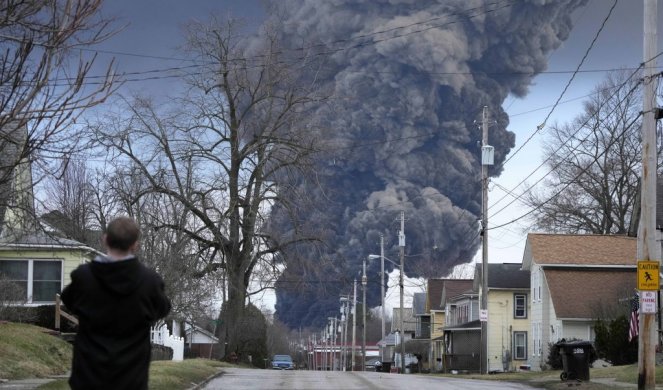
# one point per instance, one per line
(466, 13)
(582, 61)
(584, 170)
(580, 127)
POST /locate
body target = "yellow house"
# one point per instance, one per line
(508, 315)
(37, 264)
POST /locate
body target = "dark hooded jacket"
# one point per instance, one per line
(116, 303)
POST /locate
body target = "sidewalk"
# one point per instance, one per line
(25, 384)
(28, 384)
(613, 382)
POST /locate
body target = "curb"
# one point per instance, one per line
(207, 380)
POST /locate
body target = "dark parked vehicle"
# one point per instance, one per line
(282, 362)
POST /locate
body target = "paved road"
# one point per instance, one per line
(239, 379)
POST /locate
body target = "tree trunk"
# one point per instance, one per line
(232, 314)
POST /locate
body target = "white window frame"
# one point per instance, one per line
(30, 287)
(516, 334)
(515, 305)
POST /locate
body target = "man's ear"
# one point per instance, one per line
(135, 247)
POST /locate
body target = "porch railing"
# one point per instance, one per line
(61, 313)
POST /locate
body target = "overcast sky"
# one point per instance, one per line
(153, 29)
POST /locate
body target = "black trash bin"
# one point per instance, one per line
(386, 367)
(576, 357)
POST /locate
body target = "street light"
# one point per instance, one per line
(402, 329)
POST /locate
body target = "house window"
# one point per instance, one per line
(520, 345)
(37, 280)
(520, 306)
(16, 272)
(46, 280)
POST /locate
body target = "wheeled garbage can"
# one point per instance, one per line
(576, 357)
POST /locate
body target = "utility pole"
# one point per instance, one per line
(382, 286)
(647, 246)
(486, 159)
(354, 324)
(363, 321)
(401, 244)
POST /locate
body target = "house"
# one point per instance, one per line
(391, 343)
(199, 342)
(437, 291)
(421, 317)
(422, 331)
(508, 315)
(33, 262)
(462, 332)
(572, 277)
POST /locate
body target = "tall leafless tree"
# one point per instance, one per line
(594, 163)
(69, 203)
(46, 81)
(224, 153)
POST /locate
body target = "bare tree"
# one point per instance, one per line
(594, 164)
(70, 201)
(223, 154)
(45, 81)
(165, 246)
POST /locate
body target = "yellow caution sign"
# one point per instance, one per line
(648, 272)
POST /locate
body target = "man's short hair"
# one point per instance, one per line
(122, 233)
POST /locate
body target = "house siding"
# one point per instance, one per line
(501, 327)
(70, 259)
(581, 330)
(437, 344)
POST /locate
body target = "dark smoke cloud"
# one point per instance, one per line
(401, 131)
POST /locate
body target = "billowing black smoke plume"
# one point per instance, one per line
(410, 78)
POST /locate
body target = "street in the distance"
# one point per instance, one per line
(239, 379)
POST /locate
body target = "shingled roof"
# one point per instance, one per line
(434, 294)
(580, 293)
(505, 276)
(580, 249)
(455, 287)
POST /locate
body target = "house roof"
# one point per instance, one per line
(579, 249)
(409, 324)
(472, 325)
(419, 304)
(505, 276)
(434, 294)
(40, 239)
(580, 293)
(455, 287)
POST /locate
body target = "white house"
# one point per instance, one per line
(573, 276)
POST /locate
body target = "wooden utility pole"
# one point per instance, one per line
(484, 235)
(354, 324)
(401, 244)
(384, 312)
(647, 245)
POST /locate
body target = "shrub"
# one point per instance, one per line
(612, 341)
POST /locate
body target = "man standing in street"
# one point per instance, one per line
(117, 299)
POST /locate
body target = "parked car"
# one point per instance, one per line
(282, 362)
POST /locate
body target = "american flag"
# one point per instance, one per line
(634, 323)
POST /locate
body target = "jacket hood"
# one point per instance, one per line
(121, 277)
